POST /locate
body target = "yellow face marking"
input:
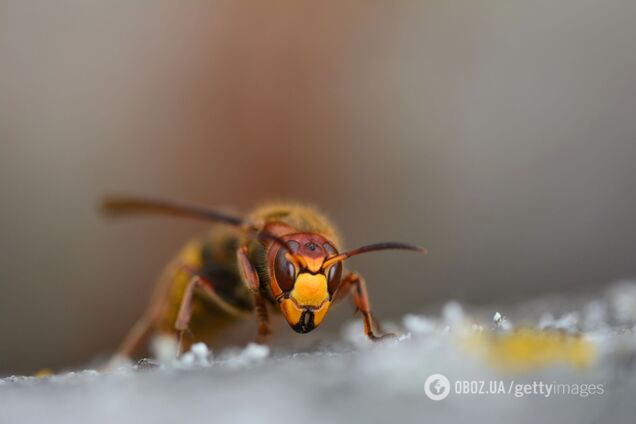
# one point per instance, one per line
(320, 313)
(290, 311)
(310, 290)
(293, 313)
(313, 264)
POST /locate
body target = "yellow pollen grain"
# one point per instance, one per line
(528, 349)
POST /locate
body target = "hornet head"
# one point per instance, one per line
(306, 271)
(302, 282)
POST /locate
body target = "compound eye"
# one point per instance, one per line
(335, 272)
(284, 270)
(333, 277)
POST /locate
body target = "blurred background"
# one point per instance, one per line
(500, 134)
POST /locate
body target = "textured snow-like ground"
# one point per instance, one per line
(356, 381)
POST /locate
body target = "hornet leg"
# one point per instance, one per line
(185, 309)
(138, 335)
(250, 278)
(134, 340)
(355, 285)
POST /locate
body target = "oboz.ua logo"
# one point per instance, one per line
(437, 387)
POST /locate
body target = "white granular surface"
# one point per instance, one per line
(356, 381)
